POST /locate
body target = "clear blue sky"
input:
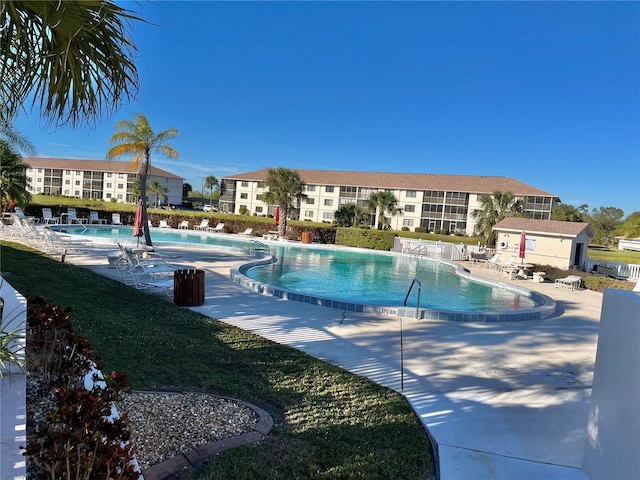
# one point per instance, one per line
(545, 92)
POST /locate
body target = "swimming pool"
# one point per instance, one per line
(360, 280)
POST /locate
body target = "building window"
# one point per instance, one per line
(261, 184)
(121, 175)
(39, 170)
(311, 188)
(109, 185)
(77, 193)
(411, 194)
(78, 172)
(327, 215)
(108, 195)
(244, 183)
(244, 196)
(109, 175)
(38, 189)
(119, 196)
(66, 192)
(308, 213)
(67, 172)
(407, 222)
(258, 209)
(67, 182)
(409, 208)
(311, 201)
(328, 189)
(328, 202)
(120, 186)
(39, 180)
(259, 196)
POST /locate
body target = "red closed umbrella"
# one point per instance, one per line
(523, 246)
(137, 222)
(277, 217)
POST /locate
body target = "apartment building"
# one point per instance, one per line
(96, 179)
(433, 202)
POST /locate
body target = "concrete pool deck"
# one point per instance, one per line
(501, 400)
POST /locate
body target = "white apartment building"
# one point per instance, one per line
(96, 179)
(433, 202)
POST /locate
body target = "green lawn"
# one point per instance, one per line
(613, 255)
(329, 423)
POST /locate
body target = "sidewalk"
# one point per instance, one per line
(502, 401)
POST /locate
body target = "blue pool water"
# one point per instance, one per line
(350, 275)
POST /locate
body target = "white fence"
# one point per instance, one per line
(623, 270)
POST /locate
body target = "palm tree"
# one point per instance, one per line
(284, 186)
(381, 202)
(496, 207)
(349, 215)
(73, 59)
(13, 178)
(135, 138)
(10, 138)
(209, 183)
(156, 188)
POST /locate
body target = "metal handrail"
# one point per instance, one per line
(415, 280)
(259, 246)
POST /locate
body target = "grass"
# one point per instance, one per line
(329, 423)
(613, 255)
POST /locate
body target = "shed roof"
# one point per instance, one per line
(406, 181)
(529, 225)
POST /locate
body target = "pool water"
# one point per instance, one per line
(361, 276)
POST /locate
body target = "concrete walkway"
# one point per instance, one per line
(502, 401)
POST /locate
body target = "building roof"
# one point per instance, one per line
(93, 165)
(529, 225)
(407, 181)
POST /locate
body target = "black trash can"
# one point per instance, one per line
(188, 287)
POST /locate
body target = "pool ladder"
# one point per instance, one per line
(257, 246)
(415, 281)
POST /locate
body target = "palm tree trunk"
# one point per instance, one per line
(282, 221)
(143, 194)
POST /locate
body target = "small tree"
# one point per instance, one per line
(349, 215)
(210, 182)
(284, 186)
(156, 188)
(381, 202)
(494, 208)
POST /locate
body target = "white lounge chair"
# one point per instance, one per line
(48, 218)
(204, 225)
(573, 281)
(95, 218)
(115, 219)
(494, 262)
(184, 225)
(247, 232)
(72, 216)
(164, 224)
(218, 228)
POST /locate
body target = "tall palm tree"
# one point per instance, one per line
(349, 215)
(381, 202)
(137, 139)
(284, 186)
(209, 183)
(493, 208)
(13, 178)
(156, 188)
(73, 59)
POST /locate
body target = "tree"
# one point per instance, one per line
(137, 139)
(13, 178)
(156, 188)
(349, 215)
(73, 58)
(630, 227)
(186, 189)
(604, 221)
(209, 183)
(10, 138)
(566, 213)
(381, 202)
(494, 208)
(284, 185)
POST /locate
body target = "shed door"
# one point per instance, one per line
(578, 255)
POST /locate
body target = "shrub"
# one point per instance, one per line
(373, 239)
(405, 229)
(420, 230)
(79, 438)
(598, 284)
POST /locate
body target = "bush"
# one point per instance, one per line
(420, 230)
(598, 284)
(405, 229)
(373, 239)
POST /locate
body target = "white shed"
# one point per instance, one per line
(547, 242)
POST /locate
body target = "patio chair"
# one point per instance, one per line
(573, 281)
(72, 216)
(184, 225)
(218, 228)
(115, 219)
(247, 232)
(48, 218)
(95, 218)
(204, 224)
(164, 224)
(494, 262)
